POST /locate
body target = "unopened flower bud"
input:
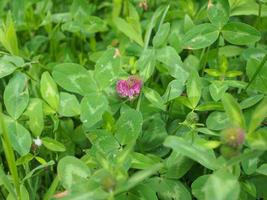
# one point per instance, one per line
(229, 152)
(192, 118)
(108, 183)
(233, 137)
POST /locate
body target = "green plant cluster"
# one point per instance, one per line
(196, 130)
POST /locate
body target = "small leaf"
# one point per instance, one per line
(35, 114)
(217, 121)
(127, 29)
(16, 95)
(204, 156)
(262, 169)
(218, 12)
(240, 34)
(251, 101)
(49, 90)
(193, 89)
(259, 114)
(53, 145)
(72, 171)
(168, 56)
(154, 98)
(226, 182)
(6, 68)
(129, 126)
(174, 89)
(217, 90)
(20, 137)
(146, 64)
(92, 108)
(69, 105)
(258, 139)
(74, 78)
(213, 72)
(161, 36)
(233, 110)
(200, 36)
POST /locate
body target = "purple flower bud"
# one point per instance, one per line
(129, 88)
(233, 137)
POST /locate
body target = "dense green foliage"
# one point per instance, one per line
(197, 130)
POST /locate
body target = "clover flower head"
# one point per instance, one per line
(233, 137)
(129, 88)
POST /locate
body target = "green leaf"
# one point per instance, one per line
(262, 169)
(49, 90)
(74, 78)
(222, 185)
(72, 171)
(174, 89)
(177, 165)
(240, 34)
(24, 159)
(16, 95)
(92, 108)
(8, 37)
(154, 133)
(233, 74)
(139, 177)
(35, 114)
(129, 126)
(129, 30)
(141, 161)
(196, 152)
(146, 64)
(200, 36)
(217, 121)
(69, 105)
(259, 114)
(217, 90)
(103, 142)
(168, 56)
(258, 140)
(107, 69)
(193, 88)
(209, 106)
(24, 194)
(213, 72)
(198, 187)
(154, 98)
(251, 101)
(88, 25)
(6, 68)
(161, 36)
(53, 145)
(4, 180)
(259, 83)
(168, 189)
(20, 137)
(218, 12)
(233, 110)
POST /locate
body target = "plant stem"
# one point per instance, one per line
(139, 101)
(9, 154)
(257, 72)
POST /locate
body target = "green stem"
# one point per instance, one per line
(257, 72)
(203, 61)
(50, 192)
(9, 154)
(139, 101)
